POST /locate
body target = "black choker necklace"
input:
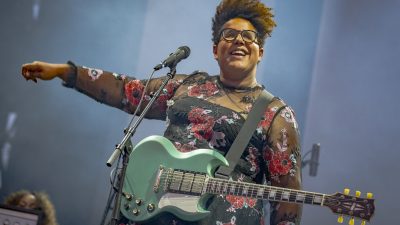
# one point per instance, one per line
(239, 89)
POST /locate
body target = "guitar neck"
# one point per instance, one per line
(198, 184)
(265, 192)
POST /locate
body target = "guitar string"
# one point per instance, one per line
(254, 191)
(181, 178)
(251, 188)
(216, 185)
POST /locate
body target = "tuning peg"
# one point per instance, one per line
(346, 191)
(358, 194)
(351, 221)
(340, 219)
(363, 222)
(369, 195)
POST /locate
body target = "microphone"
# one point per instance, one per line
(314, 160)
(174, 58)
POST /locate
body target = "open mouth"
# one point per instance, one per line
(239, 52)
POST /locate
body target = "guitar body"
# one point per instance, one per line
(142, 202)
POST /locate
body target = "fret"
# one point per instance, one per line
(272, 194)
(278, 195)
(309, 198)
(317, 200)
(219, 184)
(225, 187)
(222, 189)
(198, 183)
(298, 197)
(232, 191)
(260, 192)
(239, 189)
(205, 186)
(176, 180)
(323, 199)
(253, 191)
(292, 196)
(212, 186)
(285, 195)
(266, 193)
(301, 197)
(245, 190)
(187, 182)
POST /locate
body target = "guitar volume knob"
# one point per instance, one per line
(135, 211)
(150, 207)
(128, 197)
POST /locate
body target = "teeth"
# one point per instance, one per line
(238, 52)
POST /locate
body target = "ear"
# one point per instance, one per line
(260, 54)
(215, 51)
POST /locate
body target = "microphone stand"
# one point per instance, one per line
(125, 147)
(313, 161)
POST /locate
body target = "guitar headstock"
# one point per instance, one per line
(353, 206)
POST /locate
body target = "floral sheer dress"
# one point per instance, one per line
(201, 112)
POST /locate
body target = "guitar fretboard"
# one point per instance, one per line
(187, 182)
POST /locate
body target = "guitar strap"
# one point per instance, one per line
(245, 133)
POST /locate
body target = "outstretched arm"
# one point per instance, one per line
(113, 89)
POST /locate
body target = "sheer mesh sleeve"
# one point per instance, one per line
(283, 160)
(124, 92)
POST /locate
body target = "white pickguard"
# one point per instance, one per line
(186, 203)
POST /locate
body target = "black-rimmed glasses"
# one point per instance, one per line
(248, 36)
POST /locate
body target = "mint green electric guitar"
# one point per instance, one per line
(161, 179)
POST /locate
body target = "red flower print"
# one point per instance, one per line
(162, 101)
(167, 94)
(197, 115)
(268, 117)
(134, 91)
(279, 163)
(201, 123)
(203, 90)
(251, 202)
(238, 202)
(170, 87)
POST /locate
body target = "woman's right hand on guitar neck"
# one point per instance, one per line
(45, 71)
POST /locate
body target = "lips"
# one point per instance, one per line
(239, 52)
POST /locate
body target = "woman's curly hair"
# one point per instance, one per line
(256, 12)
(43, 204)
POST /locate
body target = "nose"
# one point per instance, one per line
(239, 40)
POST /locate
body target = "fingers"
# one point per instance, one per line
(31, 71)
